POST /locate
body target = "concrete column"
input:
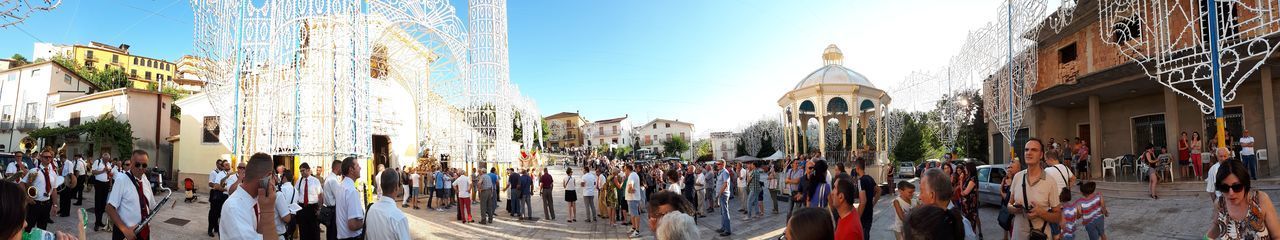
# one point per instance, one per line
(822, 125)
(1172, 128)
(1269, 122)
(1095, 136)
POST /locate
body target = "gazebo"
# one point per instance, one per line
(835, 96)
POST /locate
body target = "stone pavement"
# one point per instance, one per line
(1130, 219)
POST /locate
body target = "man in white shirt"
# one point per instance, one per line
(82, 176)
(17, 165)
(217, 195)
(1056, 171)
(742, 186)
(1211, 181)
(349, 210)
(101, 186)
(462, 185)
(632, 193)
(589, 189)
(332, 186)
(250, 211)
(385, 220)
(286, 203)
(68, 173)
(309, 193)
(130, 201)
(414, 188)
(1248, 155)
(45, 182)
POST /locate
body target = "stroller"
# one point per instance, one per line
(190, 187)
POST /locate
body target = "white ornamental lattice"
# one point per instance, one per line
(1170, 41)
(1005, 57)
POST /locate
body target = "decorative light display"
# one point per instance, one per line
(317, 78)
(1005, 57)
(754, 135)
(1202, 50)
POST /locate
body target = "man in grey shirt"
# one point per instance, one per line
(488, 195)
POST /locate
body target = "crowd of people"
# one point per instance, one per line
(122, 192)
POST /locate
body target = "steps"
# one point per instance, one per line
(1180, 189)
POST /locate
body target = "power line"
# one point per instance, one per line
(19, 27)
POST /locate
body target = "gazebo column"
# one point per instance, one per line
(822, 125)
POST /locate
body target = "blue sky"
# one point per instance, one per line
(716, 63)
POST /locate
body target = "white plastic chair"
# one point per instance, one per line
(1108, 164)
(1262, 154)
(1126, 166)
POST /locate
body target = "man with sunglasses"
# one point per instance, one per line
(45, 181)
(131, 200)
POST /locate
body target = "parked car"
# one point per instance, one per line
(906, 170)
(927, 164)
(989, 178)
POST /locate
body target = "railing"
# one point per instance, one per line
(6, 125)
(27, 126)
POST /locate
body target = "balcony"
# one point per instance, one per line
(6, 125)
(28, 126)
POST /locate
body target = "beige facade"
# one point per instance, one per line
(147, 112)
(565, 130)
(197, 146)
(1087, 89)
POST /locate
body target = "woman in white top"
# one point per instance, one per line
(673, 181)
(570, 186)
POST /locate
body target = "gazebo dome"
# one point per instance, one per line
(834, 73)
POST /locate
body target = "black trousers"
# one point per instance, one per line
(216, 198)
(309, 222)
(38, 215)
(116, 234)
(330, 226)
(64, 201)
(100, 190)
(80, 188)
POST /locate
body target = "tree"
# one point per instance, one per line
(702, 148)
(674, 146)
(912, 146)
(972, 139)
(741, 149)
(766, 147)
(108, 78)
(19, 60)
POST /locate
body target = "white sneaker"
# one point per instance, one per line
(635, 234)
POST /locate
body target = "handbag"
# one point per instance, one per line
(1035, 234)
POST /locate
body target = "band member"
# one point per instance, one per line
(45, 181)
(67, 193)
(130, 200)
(82, 177)
(328, 215)
(310, 194)
(249, 212)
(217, 194)
(350, 207)
(17, 166)
(286, 204)
(102, 169)
(385, 220)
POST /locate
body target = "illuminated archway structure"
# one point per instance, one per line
(318, 79)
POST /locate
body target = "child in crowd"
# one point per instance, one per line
(1070, 216)
(1093, 211)
(901, 205)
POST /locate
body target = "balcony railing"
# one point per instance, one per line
(28, 126)
(6, 125)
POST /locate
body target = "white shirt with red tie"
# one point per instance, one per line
(309, 190)
(124, 197)
(45, 182)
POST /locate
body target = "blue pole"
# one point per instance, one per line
(235, 116)
(1216, 71)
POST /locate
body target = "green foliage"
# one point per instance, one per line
(105, 131)
(702, 148)
(674, 146)
(766, 147)
(912, 145)
(108, 78)
(19, 60)
(972, 139)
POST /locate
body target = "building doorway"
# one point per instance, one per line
(288, 162)
(381, 151)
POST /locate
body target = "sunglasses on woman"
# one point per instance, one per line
(1237, 187)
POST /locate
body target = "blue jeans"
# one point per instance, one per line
(1251, 162)
(724, 213)
(753, 198)
(1096, 228)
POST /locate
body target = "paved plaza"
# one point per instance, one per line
(1179, 218)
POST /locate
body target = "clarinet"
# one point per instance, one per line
(152, 215)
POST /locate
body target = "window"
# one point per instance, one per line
(115, 58)
(66, 78)
(1226, 30)
(7, 115)
(1067, 54)
(133, 72)
(615, 130)
(1148, 130)
(88, 54)
(600, 130)
(35, 73)
(211, 129)
(668, 125)
(148, 76)
(135, 61)
(682, 136)
(75, 119)
(615, 140)
(655, 126)
(1233, 117)
(32, 111)
(668, 137)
